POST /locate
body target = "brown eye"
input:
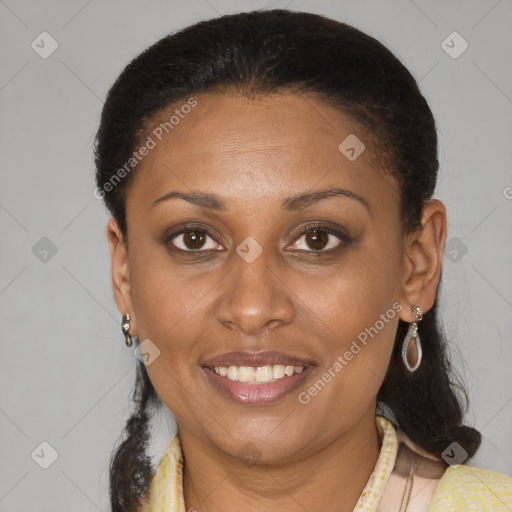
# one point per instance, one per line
(317, 239)
(193, 239)
(320, 239)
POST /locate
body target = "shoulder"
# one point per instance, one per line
(463, 488)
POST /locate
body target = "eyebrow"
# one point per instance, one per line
(296, 202)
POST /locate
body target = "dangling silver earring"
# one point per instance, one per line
(413, 336)
(125, 326)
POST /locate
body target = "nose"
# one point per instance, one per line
(254, 296)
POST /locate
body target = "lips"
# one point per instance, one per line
(257, 393)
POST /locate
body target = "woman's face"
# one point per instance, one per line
(252, 275)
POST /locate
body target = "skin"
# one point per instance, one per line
(254, 153)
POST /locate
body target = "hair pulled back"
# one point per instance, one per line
(268, 52)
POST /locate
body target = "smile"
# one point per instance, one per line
(259, 374)
(261, 385)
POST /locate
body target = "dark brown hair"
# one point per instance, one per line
(267, 52)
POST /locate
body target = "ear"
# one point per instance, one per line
(120, 268)
(423, 260)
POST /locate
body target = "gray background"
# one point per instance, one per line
(66, 375)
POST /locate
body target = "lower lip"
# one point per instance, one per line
(257, 394)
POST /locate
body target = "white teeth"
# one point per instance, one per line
(278, 371)
(263, 374)
(260, 374)
(232, 373)
(245, 373)
(289, 370)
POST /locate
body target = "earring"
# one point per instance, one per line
(412, 336)
(125, 326)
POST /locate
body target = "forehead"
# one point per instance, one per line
(267, 147)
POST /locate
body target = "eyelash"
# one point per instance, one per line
(344, 238)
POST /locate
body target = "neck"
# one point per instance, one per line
(330, 479)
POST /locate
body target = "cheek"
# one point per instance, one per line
(360, 333)
(164, 294)
(359, 328)
(357, 310)
(171, 314)
(170, 311)
(352, 297)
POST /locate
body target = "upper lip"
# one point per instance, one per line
(262, 358)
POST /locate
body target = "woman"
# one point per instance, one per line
(276, 247)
